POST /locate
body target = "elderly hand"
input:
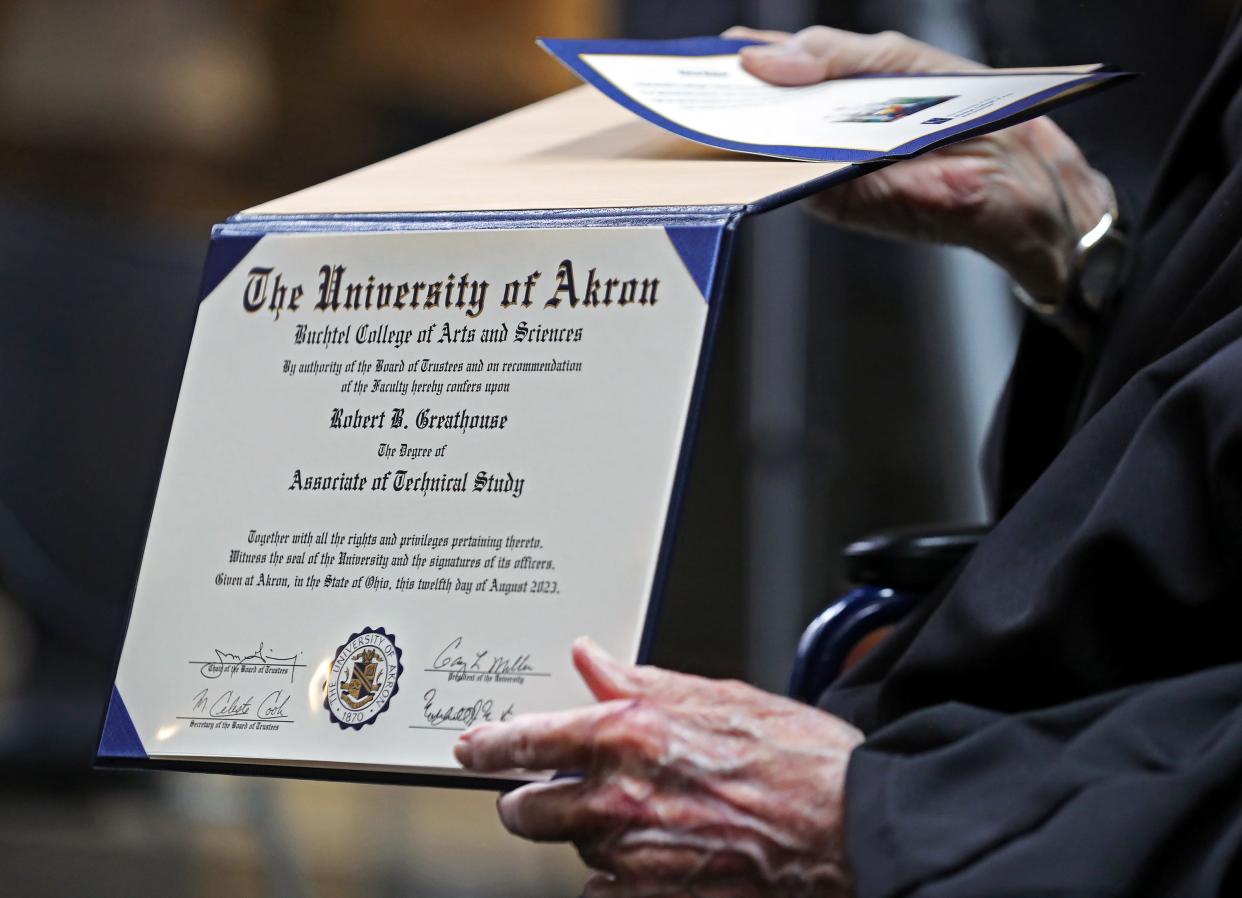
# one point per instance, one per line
(689, 786)
(1022, 196)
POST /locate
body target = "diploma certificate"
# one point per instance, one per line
(436, 414)
(406, 470)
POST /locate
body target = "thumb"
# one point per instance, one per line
(787, 64)
(816, 54)
(819, 53)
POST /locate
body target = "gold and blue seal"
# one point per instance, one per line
(363, 678)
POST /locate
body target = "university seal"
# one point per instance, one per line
(363, 678)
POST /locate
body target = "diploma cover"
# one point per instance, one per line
(435, 422)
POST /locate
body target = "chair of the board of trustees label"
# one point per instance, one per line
(891, 573)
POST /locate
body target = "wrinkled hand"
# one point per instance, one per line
(690, 787)
(1022, 196)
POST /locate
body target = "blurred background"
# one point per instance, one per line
(856, 401)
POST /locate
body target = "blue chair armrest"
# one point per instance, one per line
(830, 638)
(893, 571)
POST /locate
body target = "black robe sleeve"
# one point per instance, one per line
(1133, 793)
(1067, 718)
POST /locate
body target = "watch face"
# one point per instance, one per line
(1101, 269)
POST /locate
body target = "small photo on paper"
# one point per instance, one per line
(887, 110)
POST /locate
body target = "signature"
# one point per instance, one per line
(230, 704)
(259, 661)
(462, 716)
(455, 659)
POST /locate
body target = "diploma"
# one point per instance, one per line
(406, 470)
(434, 424)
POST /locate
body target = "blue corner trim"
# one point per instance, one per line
(119, 739)
(569, 53)
(699, 248)
(226, 251)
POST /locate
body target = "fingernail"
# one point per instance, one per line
(504, 807)
(463, 750)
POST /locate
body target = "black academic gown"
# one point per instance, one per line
(1065, 717)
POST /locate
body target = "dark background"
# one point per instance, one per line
(855, 401)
